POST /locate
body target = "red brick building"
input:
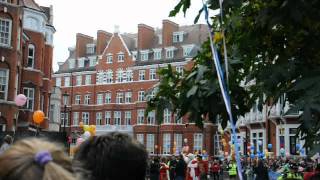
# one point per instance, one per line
(26, 35)
(108, 80)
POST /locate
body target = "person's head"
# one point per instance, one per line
(113, 156)
(199, 157)
(35, 159)
(8, 139)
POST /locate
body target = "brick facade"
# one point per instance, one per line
(22, 72)
(126, 51)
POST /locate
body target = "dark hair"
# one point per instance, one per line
(113, 156)
(8, 139)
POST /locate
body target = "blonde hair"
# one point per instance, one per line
(18, 163)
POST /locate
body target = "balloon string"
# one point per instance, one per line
(224, 90)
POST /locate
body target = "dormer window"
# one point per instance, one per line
(187, 49)
(170, 52)
(178, 36)
(109, 58)
(157, 54)
(134, 55)
(81, 63)
(91, 48)
(144, 55)
(120, 57)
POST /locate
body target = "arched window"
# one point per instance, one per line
(31, 53)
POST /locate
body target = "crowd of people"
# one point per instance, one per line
(117, 156)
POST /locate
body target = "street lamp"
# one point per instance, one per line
(65, 101)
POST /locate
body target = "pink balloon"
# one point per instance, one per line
(20, 100)
(79, 141)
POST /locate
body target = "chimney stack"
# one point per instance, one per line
(103, 38)
(168, 27)
(145, 36)
(81, 42)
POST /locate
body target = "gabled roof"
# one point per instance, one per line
(32, 5)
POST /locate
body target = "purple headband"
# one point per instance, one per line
(43, 157)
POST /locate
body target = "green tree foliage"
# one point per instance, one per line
(272, 42)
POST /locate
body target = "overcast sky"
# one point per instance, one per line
(83, 16)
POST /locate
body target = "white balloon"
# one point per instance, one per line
(86, 135)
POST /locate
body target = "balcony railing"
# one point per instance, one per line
(100, 129)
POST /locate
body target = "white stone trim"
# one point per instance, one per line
(125, 45)
(286, 137)
(32, 69)
(61, 75)
(160, 65)
(84, 73)
(105, 49)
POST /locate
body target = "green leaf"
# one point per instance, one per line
(196, 19)
(192, 91)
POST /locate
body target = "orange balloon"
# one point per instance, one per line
(38, 117)
(81, 124)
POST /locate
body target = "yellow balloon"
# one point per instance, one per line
(81, 124)
(93, 127)
(86, 127)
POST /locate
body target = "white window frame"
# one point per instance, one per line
(140, 116)
(178, 142)
(99, 98)
(77, 99)
(4, 83)
(151, 119)
(157, 54)
(81, 62)
(140, 138)
(187, 50)
(31, 58)
(99, 118)
(78, 80)
(107, 117)
(87, 79)
(109, 58)
(128, 97)
(166, 116)
(197, 142)
(177, 36)
(257, 138)
(144, 55)
(67, 81)
(129, 75)
(86, 118)
(141, 96)
(75, 119)
(87, 98)
(119, 98)
(108, 98)
(117, 118)
(169, 53)
(71, 63)
(108, 76)
(99, 78)
(120, 57)
(127, 118)
(152, 74)
(166, 143)
(119, 74)
(90, 48)
(142, 75)
(30, 94)
(2, 39)
(134, 55)
(58, 82)
(150, 143)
